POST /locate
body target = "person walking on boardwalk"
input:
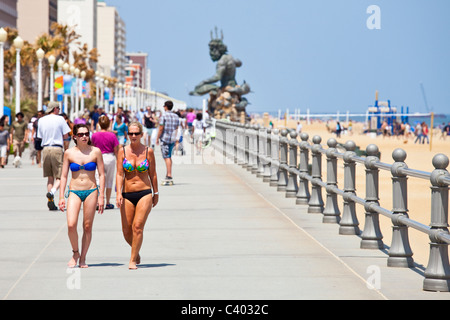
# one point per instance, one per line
(137, 189)
(4, 144)
(120, 129)
(199, 131)
(167, 135)
(34, 139)
(19, 134)
(52, 130)
(108, 144)
(83, 160)
(149, 122)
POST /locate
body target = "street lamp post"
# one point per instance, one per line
(106, 106)
(101, 92)
(97, 91)
(77, 90)
(60, 65)
(66, 96)
(3, 37)
(120, 94)
(83, 76)
(116, 97)
(40, 55)
(129, 96)
(18, 44)
(73, 108)
(51, 62)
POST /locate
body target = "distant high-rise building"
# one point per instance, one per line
(8, 13)
(82, 15)
(136, 69)
(111, 41)
(36, 17)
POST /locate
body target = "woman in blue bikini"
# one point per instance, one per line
(137, 189)
(82, 160)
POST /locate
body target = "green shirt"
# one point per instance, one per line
(19, 130)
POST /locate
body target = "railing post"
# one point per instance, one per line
(331, 213)
(224, 141)
(371, 237)
(315, 204)
(275, 165)
(349, 224)
(400, 253)
(255, 148)
(282, 178)
(437, 274)
(246, 146)
(262, 138)
(251, 147)
(235, 143)
(230, 132)
(303, 189)
(292, 186)
(268, 163)
(239, 152)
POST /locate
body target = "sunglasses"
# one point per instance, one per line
(134, 133)
(81, 135)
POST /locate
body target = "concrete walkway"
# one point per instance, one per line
(219, 233)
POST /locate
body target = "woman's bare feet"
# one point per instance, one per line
(83, 265)
(132, 265)
(73, 262)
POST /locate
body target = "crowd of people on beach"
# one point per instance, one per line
(420, 132)
(108, 152)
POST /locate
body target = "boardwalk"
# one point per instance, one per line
(220, 233)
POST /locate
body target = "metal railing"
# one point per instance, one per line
(281, 160)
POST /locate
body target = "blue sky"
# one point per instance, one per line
(300, 54)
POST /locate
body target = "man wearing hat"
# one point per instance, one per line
(52, 129)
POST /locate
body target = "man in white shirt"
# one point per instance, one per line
(52, 129)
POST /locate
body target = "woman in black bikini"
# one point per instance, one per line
(83, 160)
(137, 189)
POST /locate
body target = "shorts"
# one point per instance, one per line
(52, 161)
(3, 149)
(109, 161)
(149, 131)
(198, 136)
(166, 149)
(37, 144)
(18, 145)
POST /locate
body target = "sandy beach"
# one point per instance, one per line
(419, 156)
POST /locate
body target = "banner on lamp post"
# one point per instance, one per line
(59, 83)
(67, 84)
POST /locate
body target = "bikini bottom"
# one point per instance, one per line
(134, 197)
(82, 194)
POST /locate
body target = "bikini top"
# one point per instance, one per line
(128, 167)
(91, 166)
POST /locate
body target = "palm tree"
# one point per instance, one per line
(67, 37)
(62, 42)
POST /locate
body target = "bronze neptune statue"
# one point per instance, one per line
(226, 99)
